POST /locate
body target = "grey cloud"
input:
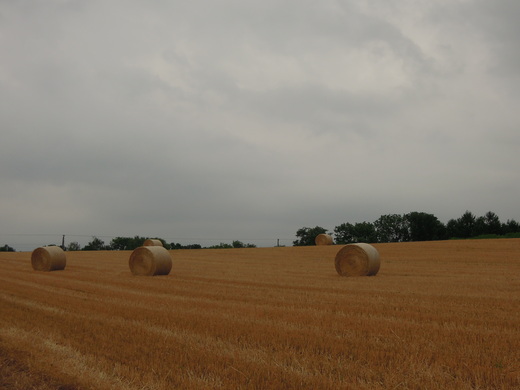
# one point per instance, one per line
(247, 121)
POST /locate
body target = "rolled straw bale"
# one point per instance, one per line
(357, 260)
(48, 258)
(150, 261)
(152, 242)
(323, 239)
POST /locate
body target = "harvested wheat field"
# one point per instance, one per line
(438, 315)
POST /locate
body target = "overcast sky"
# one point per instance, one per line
(212, 121)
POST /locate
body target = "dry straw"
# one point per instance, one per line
(48, 258)
(323, 239)
(152, 242)
(357, 260)
(150, 261)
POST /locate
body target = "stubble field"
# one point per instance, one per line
(438, 315)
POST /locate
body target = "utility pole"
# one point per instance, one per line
(63, 242)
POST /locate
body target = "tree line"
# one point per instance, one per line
(131, 243)
(414, 226)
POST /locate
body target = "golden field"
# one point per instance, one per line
(438, 315)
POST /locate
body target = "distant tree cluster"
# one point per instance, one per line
(306, 236)
(414, 226)
(6, 248)
(235, 244)
(116, 244)
(190, 246)
(131, 243)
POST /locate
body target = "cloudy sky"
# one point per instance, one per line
(207, 122)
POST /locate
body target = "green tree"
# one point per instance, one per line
(240, 244)
(488, 224)
(95, 245)
(124, 243)
(392, 228)
(193, 246)
(511, 226)
(179, 246)
(6, 248)
(175, 245)
(463, 227)
(344, 233)
(73, 246)
(222, 245)
(347, 233)
(365, 232)
(467, 225)
(424, 227)
(131, 243)
(492, 223)
(452, 229)
(306, 236)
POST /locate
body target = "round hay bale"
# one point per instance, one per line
(323, 239)
(48, 258)
(152, 242)
(150, 261)
(357, 260)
